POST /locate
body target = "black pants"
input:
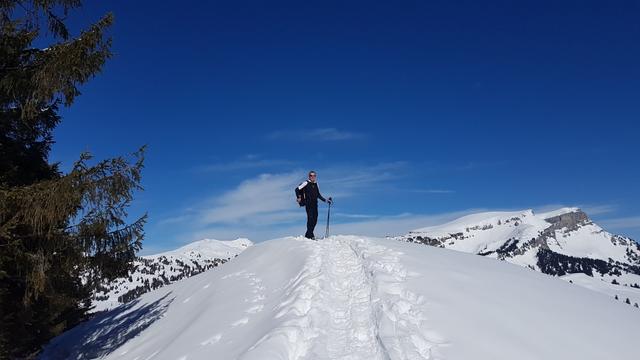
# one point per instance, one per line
(312, 220)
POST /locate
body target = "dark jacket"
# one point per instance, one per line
(310, 193)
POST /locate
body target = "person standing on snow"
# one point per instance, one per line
(307, 195)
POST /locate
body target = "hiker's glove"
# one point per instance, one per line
(330, 201)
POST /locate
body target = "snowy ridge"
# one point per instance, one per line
(564, 242)
(336, 308)
(355, 298)
(479, 219)
(484, 231)
(153, 271)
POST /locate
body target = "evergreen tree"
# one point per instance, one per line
(60, 234)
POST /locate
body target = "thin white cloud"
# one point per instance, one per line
(380, 226)
(251, 161)
(593, 210)
(590, 209)
(631, 222)
(265, 195)
(265, 204)
(319, 134)
(345, 181)
(546, 208)
(269, 197)
(433, 191)
(172, 220)
(474, 165)
(356, 216)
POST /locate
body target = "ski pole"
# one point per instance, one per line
(326, 234)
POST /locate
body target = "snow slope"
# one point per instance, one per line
(153, 271)
(351, 297)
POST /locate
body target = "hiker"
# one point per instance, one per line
(307, 195)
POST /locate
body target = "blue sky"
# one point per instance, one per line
(411, 112)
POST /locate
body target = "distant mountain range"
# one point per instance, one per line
(563, 243)
(154, 271)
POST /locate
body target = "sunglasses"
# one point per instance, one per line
(312, 175)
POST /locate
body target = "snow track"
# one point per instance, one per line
(401, 321)
(345, 315)
(348, 303)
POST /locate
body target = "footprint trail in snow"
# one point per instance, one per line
(349, 303)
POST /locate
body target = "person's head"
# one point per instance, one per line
(312, 176)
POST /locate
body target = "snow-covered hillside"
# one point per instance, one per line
(153, 271)
(355, 298)
(562, 243)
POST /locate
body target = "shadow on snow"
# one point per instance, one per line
(106, 332)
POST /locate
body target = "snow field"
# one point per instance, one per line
(359, 298)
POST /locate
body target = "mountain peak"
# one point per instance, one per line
(562, 242)
(210, 248)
